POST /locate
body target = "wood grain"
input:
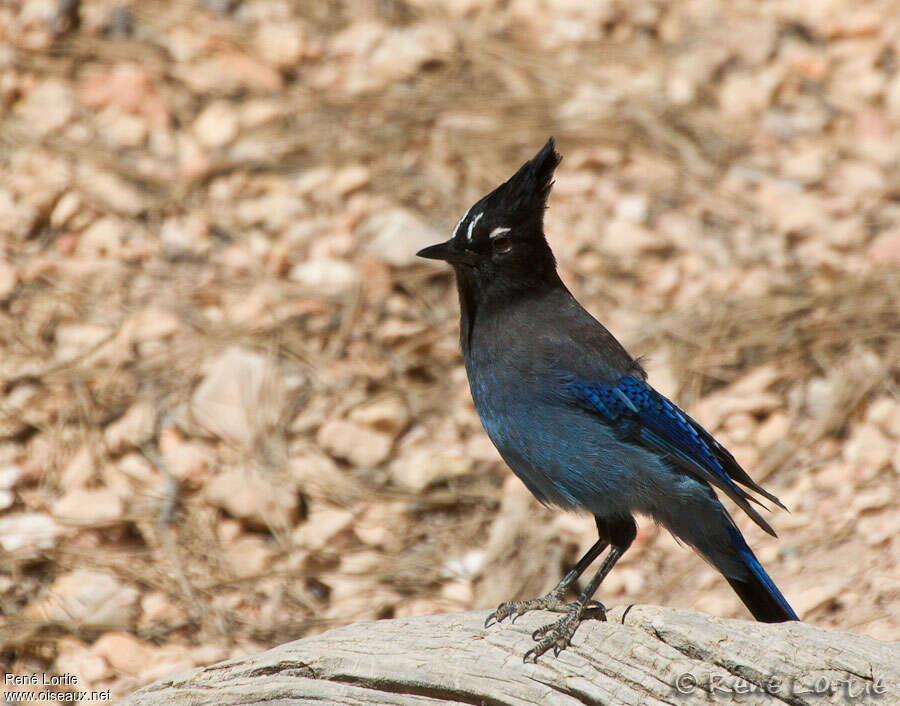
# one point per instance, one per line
(452, 659)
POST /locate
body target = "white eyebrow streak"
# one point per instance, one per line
(497, 232)
(472, 224)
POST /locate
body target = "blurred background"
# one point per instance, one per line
(232, 405)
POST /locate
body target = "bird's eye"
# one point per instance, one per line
(501, 244)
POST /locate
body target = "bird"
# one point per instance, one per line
(572, 414)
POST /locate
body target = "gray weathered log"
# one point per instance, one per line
(450, 659)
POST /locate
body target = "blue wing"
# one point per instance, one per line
(639, 412)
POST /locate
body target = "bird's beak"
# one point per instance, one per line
(449, 252)
(442, 251)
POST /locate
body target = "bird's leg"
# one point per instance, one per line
(559, 635)
(553, 600)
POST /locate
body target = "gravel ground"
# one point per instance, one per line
(232, 405)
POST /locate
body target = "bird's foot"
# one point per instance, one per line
(559, 635)
(506, 609)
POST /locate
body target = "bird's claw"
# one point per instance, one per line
(516, 609)
(559, 635)
(504, 610)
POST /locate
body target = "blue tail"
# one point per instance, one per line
(758, 592)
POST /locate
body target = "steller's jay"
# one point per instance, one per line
(571, 412)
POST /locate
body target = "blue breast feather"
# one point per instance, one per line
(641, 414)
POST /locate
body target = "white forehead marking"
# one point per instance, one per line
(497, 232)
(460, 222)
(472, 224)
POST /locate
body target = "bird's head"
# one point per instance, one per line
(502, 235)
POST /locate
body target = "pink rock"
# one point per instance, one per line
(132, 429)
(249, 556)
(75, 657)
(361, 446)
(17, 218)
(88, 599)
(327, 276)
(128, 88)
(112, 191)
(254, 497)
(885, 249)
(47, 107)
(397, 235)
(323, 526)
(80, 470)
(217, 125)
(28, 533)
(230, 402)
(386, 414)
(282, 43)
(125, 653)
(88, 507)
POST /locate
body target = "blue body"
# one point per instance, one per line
(571, 414)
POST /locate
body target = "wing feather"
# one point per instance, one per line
(658, 423)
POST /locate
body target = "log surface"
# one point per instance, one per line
(451, 659)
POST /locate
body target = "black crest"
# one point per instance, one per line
(517, 204)
(507, 225)
(527, 190)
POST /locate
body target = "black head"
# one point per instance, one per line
(502, 236)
